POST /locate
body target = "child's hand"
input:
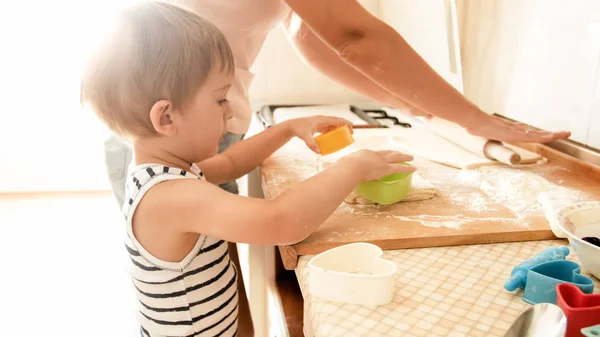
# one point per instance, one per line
(305, 128)
(372, 165)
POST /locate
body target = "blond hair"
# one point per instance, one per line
(155, 51)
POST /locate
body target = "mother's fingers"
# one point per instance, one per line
(561, 135)
(526, 133)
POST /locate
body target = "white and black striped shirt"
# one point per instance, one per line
(194, 297)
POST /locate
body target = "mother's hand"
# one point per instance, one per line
(496, 128)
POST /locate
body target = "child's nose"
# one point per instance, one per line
(229, 114)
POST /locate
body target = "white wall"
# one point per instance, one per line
(535, 61)
(48, 142)
(283, 78)
(431, 28)
(593, 139)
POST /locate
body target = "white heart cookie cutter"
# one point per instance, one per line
(353, 273)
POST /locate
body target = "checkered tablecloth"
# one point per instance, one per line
(440, 292)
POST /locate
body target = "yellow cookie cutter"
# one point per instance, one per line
(334, 140)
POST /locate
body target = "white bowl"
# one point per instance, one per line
(353, 273)
(578, 221)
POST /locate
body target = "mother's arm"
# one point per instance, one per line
(320, 56)
(380, 54)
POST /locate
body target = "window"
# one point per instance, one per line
(48, 142)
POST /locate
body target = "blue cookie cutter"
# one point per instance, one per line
(518, 276)
(543, 279)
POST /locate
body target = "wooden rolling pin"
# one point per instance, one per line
(493, 150)
(496, 151)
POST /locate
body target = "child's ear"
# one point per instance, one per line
(162, 116)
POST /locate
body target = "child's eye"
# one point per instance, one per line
(223, 101)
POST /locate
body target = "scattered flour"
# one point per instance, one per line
(451, 222)
(493, 187)
(517, 190)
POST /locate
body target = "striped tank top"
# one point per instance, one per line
(194, 297)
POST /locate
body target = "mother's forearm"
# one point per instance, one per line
(382, 55)
(377, 51)
(320, 56)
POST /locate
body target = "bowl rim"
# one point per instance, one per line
(564, 213)
(394, 268)
(405, 176)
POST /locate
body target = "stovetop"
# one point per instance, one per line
(371, 116)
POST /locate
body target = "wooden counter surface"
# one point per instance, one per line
(488, 205)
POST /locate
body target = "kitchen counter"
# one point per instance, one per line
(493, 204)
(440, 292)
(453, 252)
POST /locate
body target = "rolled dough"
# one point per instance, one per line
(476, 145)
(421, 190)
(427, 144)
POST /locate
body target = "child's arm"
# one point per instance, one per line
(246, 155)
(199, 207)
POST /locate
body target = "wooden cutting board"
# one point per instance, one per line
(490, 205)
